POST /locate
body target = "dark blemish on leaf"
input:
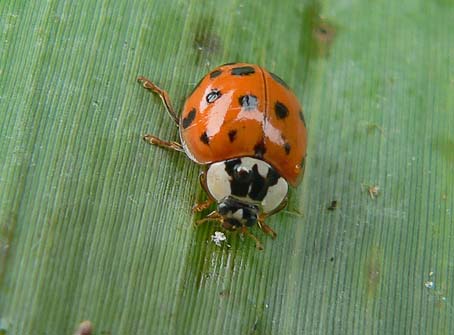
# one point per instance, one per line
(281, 110)
(224, 293)
(317, 34)
(204, 138)
(373, 271)
(332, 206)
(324, 32)
(206, 42)
(372, 127)
(232, 135)
(7, 230)
(189, 118)
(445, 147)
(316, 38)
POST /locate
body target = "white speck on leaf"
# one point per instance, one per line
(218, 238)
(429, 284)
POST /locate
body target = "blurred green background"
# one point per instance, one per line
(95, 224)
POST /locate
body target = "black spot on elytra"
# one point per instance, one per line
(302, 117)
(259, 149)
(248, 102)
(279, 80)
(213, 96)
(242, 71)
(204, 138)
(215, 73)
(281, 110)
(232, 135)
(189, 118)
(287, 148)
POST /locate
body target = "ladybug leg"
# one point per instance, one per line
(213, 216)
(207, 203)
(202, 205)
(261, 220)
(278, 208)
(146, 83)
(163, 144)
(246, 232)
(203, 182)
(265, 228)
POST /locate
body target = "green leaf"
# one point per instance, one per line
(96, 225)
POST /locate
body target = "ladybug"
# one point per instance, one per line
(246, 127)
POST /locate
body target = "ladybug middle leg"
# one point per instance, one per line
(261, 220)
(163, 144)
(265, 228)
(200, 206)
(146, 83)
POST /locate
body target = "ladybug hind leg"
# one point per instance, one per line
(149, 85)
(146, 83)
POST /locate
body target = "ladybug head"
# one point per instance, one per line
(247, 184)
(236, 214)
(246, 191)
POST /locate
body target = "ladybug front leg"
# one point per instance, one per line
(200, 206)
(146, 83)
(258, 244)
